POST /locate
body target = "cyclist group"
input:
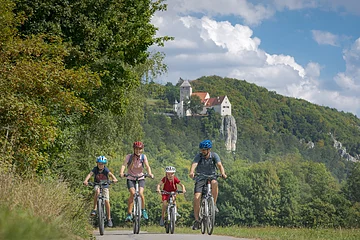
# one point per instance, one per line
(205, 162)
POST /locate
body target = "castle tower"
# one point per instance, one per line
(185, 90)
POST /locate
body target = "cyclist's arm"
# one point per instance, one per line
(148, 169)
(160, 185)
(192, 169)
(221, 168)
(123, 166)
(113, 177)
(88, 177)
(183, 187)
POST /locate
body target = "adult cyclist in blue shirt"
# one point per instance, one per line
(205, 162)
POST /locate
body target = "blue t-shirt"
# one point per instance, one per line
(101, 176)
(206, 166)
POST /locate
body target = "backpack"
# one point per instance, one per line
(201, 158)
(141, 160)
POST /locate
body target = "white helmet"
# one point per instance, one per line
(170, 169)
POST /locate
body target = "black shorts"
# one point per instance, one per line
(201, 186)
(131, 183)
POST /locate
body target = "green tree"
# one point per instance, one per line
(36, 91)
(352, 186)
(195, 105)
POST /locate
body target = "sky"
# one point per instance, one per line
(308, 49)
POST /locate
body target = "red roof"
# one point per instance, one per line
(201, 95)
(214, 101)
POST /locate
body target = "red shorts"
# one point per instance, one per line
(165, 197)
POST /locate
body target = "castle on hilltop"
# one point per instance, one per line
(220, 104)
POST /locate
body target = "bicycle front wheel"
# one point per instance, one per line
(211, 216)
(203, 215)
(172, 220)
(101, 216)
(137, 215)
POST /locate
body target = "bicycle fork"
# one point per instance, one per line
(204, 201)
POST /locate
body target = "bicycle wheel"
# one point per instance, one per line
(167, 223)
(137, 215)
(202, 215)
(172, 220)
(100, 207)
(167, 226)
(211, 216)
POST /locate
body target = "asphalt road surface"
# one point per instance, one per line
(128, 235)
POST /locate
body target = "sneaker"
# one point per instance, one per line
(93, 212)
(216, 209)
(109, 223)
(145, 214)
(161, 222)
(196, 225)
(128, 218)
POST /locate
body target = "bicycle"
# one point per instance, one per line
(171, 211)
(136, 211)
(101, 211)
(207, 206)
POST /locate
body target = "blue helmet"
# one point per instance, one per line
(206, 144)
(101, 159)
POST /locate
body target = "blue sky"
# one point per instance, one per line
(308, 49)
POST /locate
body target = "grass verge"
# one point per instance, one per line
(271, 233)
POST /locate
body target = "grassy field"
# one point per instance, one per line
(273, 233)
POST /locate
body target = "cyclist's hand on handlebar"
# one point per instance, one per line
(192, 175)
(151, 175)
(159, 191)
(122, 175)
(85, 183)
(115, 180)
(223, 175)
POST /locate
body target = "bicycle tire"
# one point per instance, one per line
(172, 220)
(211, 216)
(100, 207)
(202, 216)
(137, 215)
(167, 227)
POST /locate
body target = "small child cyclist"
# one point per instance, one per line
(169, 184)
(101, 173)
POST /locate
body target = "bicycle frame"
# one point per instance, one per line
(207, 206)
(136, 211)
(101, 211)
(171, 211)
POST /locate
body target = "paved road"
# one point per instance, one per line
(128, 235)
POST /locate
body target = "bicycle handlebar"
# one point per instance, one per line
(208, 176)
(101, 183)
(171, 193)
(145, 175)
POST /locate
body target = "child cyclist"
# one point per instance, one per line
(101, 173)
(135, 164)
(169, 183)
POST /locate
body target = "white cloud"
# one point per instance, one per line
(251, 13)
(204, 46)
(349, 81)
(349, 6)
(325, 38)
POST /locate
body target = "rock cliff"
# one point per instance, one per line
(228, 131)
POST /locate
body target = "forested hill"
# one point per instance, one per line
(269, 125)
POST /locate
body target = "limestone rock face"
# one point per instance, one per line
(228, 131)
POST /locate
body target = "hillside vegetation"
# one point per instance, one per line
(75, 83)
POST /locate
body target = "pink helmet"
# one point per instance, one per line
(138, 145)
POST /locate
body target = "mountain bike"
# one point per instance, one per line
(101, 211)
(136, 211)
(171, 211)
(207, 205)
